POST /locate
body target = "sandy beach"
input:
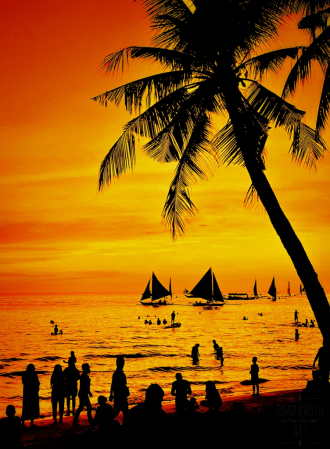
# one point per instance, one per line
(261, 426)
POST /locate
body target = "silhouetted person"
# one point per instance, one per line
(150, 322)
(10, 429)
(296, 335)
(58, 391)
(255, 375)
(306, 322)
(244, 318)
(323, 356)
(119, 390)
(61, 332)
(180, 389)
(215, 346)
(296, 313)
(30, 394)
(172, 317)
(51, 322)
(220, 354)
(195, 353)
(84, 395)
(159, 322)
(72, 358)
(212, 398)
(164, 321)
(55, 330)
(192, 405)
(104, 416)
(312, 324)
(145, 424)
(71, 376)
(146, 321)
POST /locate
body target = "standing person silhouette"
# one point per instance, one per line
(180, 389)
(57, 383)
(215, 346)
(172, 318)
(255, 375)
(323, 356)
(10, 429)
(55, 330)
(220, 354)
(119, 390)
(296, 313)
(296, 335)
(84, 395)
(30, 395)
(71, 376)
(195, 352)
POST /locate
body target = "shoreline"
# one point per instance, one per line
(47, 434)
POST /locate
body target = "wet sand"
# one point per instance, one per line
(184, 431)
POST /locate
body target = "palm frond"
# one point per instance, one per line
(121, 157)
(169, 59)
(315, 21)
(307, 147)
(324, 106)
(197, 162)
(269, 62)
(319, 50)
(273, 108)
(151, 88)
(252, 200)
(227, 148)
(168, 144)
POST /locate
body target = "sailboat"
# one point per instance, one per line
(155, 291)
(255, 291)
(289, 290)
(272, 290)
(207, 288)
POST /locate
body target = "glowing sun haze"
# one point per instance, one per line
(59, 234)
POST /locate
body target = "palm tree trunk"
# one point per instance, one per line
(281, 224)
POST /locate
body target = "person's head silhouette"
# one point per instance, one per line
(254, 360)
(30, 368)
(154, 396)
(86, 368)
(10, 411)
(178, 376)
(101, 400)
(120, 362)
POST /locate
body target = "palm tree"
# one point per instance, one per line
(213, 65)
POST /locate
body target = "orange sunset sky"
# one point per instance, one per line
(59, 234)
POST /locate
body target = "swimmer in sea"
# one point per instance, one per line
(296, 336)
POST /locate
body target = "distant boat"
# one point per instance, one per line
(207, 288)
(155, 291)
(239, 296)
(244, 296)
(272, 290)
(289, 290)
(302, 290)
(255, 291)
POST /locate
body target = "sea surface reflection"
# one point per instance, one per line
(100, 326)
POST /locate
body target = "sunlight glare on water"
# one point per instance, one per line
(100, 326)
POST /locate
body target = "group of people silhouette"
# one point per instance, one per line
(64, 384)
(311, 322)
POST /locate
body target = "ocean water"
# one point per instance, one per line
(100, 326)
